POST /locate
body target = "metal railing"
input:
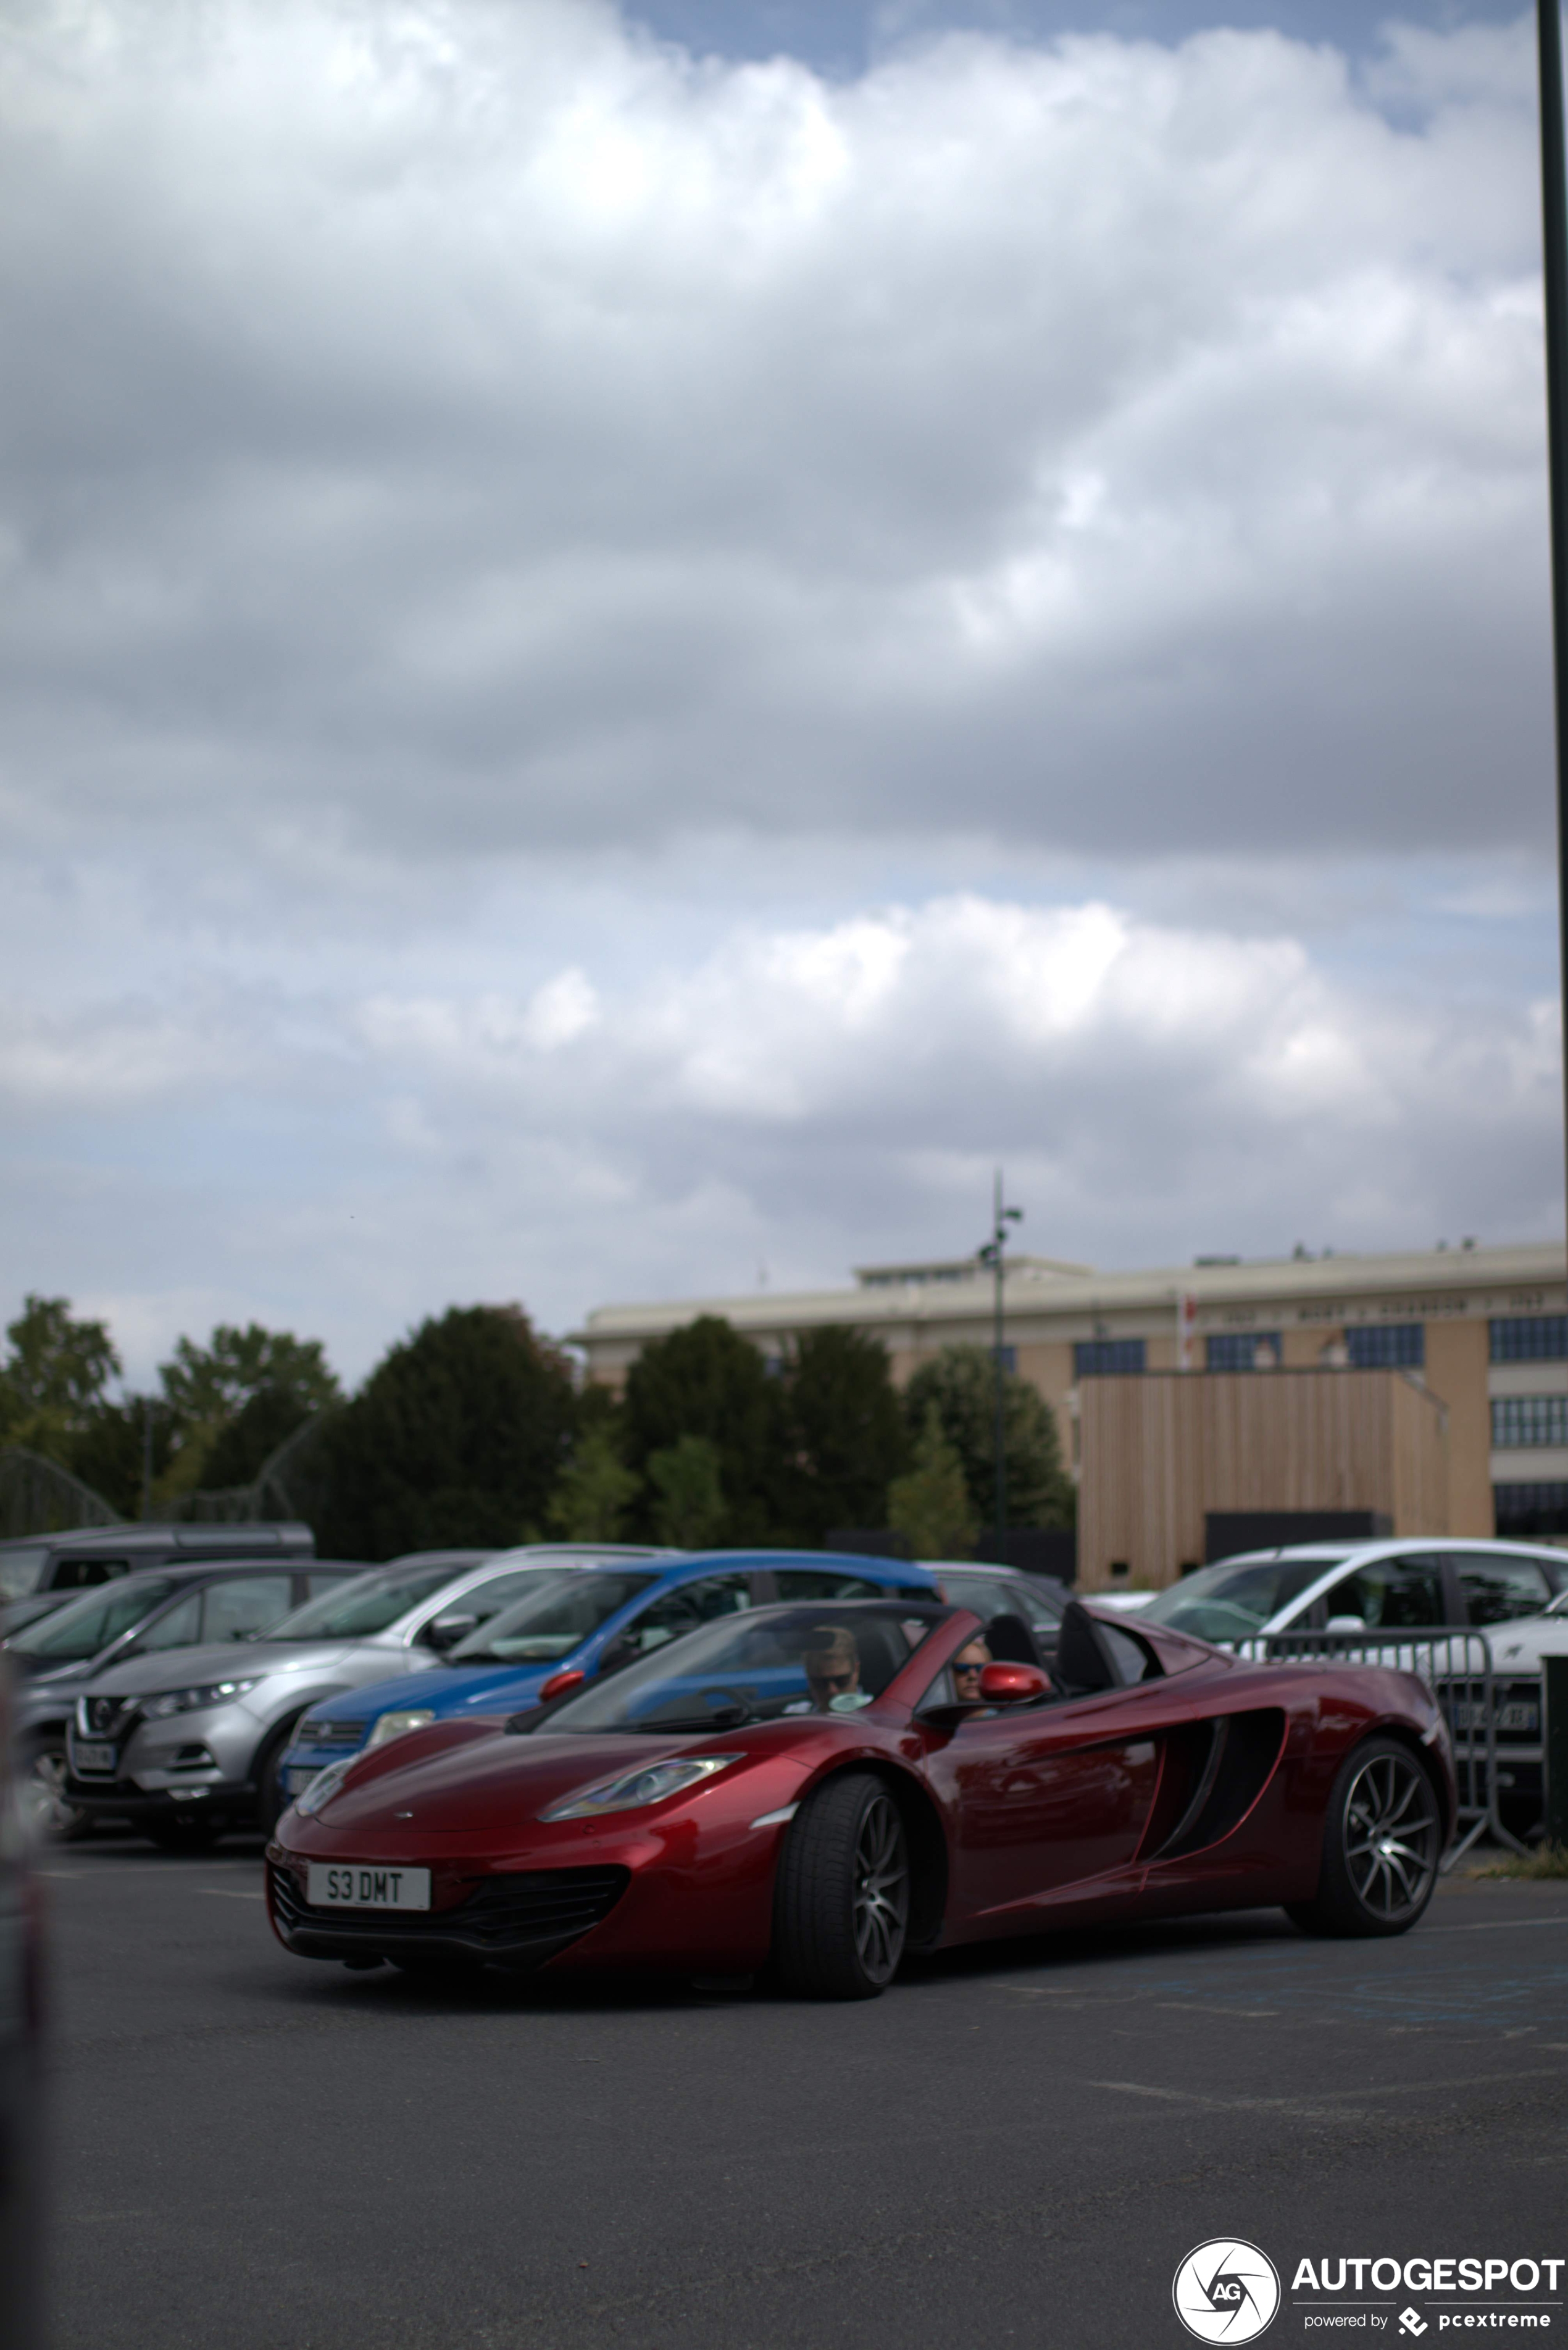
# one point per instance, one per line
(1458, 1668)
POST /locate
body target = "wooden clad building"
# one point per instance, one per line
(1159, 1450)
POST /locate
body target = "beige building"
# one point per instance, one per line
(1483, 1330)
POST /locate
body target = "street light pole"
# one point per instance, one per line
(991, 1254)
(1554, 263)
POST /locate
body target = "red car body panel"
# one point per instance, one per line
(1064, 1815)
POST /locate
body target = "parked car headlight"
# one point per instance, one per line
(394, 1725)
(324, 1787)
(192, 1701)
(629, 1789)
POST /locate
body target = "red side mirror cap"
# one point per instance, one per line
(559, 1684)
(1010, 1684)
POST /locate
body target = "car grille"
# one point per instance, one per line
(105, 1717)
(528, 1911)
(332, 1733)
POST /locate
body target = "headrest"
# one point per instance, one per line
(1083, 1660)
(1011, 1641)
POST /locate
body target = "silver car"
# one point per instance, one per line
(186, 1746)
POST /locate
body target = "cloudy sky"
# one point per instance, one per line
(636, 644)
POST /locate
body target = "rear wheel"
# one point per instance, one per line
(42, 1792)
(1381, 1840)
(183, 1831)
(841, 1904)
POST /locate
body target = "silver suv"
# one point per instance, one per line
(186, 1746)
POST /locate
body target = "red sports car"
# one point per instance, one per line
(825, 1787)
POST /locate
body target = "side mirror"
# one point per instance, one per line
(1344, 1624)
(445, 1632)
(1012, 1684)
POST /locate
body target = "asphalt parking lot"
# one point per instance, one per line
(1016, 2147)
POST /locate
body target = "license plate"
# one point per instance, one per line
(356, 1886)
(1519, 1716)
(93, 1758)
(300, 1777)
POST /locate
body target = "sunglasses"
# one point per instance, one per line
(969, 1668)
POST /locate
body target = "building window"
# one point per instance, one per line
(1531, 1508)
(1238, 1350)
(1529, 1338)
(1102, 1359)
(1388, 1347)
(1528, 1420)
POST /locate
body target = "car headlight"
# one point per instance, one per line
(324, 1787)
(629, 1789)
(192, 1701)
(394, 1725)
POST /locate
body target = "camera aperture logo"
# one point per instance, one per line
(1226, 2291)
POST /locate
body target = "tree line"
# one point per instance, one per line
(475, 1430)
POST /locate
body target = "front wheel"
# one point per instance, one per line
(45, 1802)
(1381, 1840)
(841, 1903)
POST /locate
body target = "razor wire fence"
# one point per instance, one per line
(1493, 1722)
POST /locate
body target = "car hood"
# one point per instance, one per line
(228, 1660)
(483, 1689)
(468, 1779)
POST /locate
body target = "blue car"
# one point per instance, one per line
(580, 1621)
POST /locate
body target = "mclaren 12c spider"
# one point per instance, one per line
(822, 1789)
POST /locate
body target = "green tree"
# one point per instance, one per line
(269, 1380)
(930, 1505)
(595, 1491)
(457, 1438)
(960, 1383)
(706, 1380)
(843, 1436)
(108, 1452)
(54, 1376)
(690, 1508)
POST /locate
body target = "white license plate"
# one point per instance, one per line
(93, 1758)
(300, 1777)
(1519, 1716)
(359, 1885)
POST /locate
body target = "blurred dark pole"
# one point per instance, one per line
(992, 1255)
(1554, 261)
(146, 1457)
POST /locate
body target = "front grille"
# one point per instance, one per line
(537, 1909)
(331, 1733)
(103, 1717)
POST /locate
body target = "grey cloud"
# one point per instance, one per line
(480, 432)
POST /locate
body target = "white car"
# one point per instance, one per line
(1421, 1583)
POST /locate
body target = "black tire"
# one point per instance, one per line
(841, 1900)
(1382, 1841)
(41, 1784)
(183, 1831)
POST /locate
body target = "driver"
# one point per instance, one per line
(833, 1671)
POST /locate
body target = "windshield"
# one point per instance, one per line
(358, 1610)
(759, 1667)
(19, 1571)
(1236, 1598)
(550, 1622)
(84, 1626)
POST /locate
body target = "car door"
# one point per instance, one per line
(1040, 1799)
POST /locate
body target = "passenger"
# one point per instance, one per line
(833, 1672)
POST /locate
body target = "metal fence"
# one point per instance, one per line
(1494, 1723)
(39, 1497)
